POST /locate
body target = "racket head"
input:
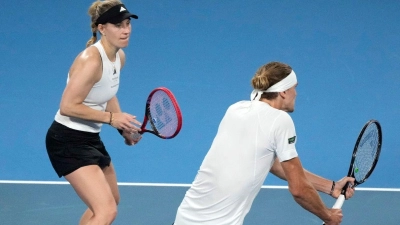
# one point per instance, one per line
(163, 114)
(366, 152)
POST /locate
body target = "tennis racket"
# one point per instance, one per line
(365, 157)
(163, 114)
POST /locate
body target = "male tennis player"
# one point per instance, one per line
(253, 138)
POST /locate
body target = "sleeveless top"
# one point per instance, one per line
(99, 95)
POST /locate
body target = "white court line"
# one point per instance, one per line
(175, 185)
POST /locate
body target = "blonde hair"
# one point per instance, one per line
(95, 10)
(268, 75)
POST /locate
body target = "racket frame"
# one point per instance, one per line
(342, 197)
(354, 155)
(149, 118)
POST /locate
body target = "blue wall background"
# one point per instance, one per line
(346, 55)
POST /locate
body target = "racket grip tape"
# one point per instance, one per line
(136, 136)
(339, 203)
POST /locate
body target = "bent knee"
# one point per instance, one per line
(106, 215)
(112, 214)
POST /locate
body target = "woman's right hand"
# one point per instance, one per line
(125, 122)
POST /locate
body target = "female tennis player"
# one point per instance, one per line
(254, 138)
(89, 101)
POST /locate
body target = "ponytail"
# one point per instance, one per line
(93, 39)
(95, 10)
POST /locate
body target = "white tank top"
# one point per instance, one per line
(99, 95)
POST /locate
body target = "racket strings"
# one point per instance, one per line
(163, 114)
(366, 153)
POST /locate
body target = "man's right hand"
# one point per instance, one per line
(335, 218)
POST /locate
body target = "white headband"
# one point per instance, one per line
(282, 85)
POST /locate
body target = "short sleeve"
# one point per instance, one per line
(285, 137)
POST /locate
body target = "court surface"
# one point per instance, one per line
(143, 204)
(346, 56)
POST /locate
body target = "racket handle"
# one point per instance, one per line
(136, 136)
(339, 203)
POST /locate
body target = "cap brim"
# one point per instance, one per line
(121, 17)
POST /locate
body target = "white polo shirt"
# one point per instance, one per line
(249, 138)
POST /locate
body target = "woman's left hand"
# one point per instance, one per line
(131, 138)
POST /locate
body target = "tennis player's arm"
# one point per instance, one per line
(84, 73)
(302, 189)
(320, 184)
(113, 105)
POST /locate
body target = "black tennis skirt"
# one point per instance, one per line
(70, 149)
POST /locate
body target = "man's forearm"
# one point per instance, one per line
(320, 184)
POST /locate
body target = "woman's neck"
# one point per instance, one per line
(110, 50)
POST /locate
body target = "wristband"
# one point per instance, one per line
(111, 118)
(333, 188)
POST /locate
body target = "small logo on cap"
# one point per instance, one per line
(122, 9)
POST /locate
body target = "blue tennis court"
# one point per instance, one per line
(345, 53)
(56, 203)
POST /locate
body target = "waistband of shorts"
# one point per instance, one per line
(58, 127)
